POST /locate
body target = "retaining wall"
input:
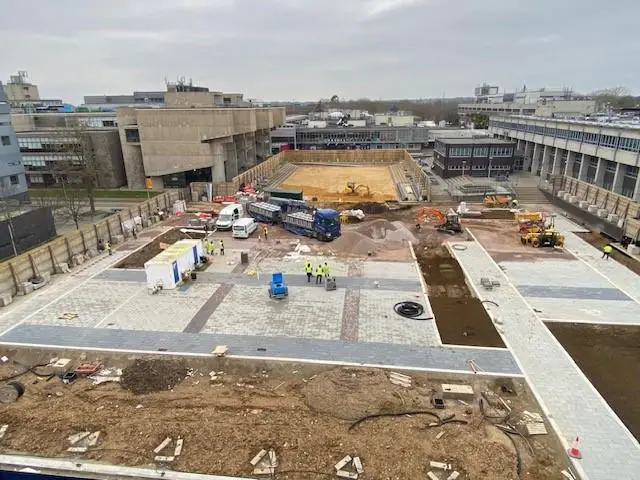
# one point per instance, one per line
(261, 172)
(43, 259)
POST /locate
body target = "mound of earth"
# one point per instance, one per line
(152, 375)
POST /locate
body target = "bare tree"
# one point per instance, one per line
(8, 209)
(74, 204)
(79, 166)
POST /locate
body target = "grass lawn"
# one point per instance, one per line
(99, 193)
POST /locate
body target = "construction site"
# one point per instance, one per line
(345, 325)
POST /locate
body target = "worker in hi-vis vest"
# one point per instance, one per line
(319, 272)
(308, 268)
(326, 270)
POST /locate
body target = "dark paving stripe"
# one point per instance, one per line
(573, 293)
(445, 357)
(200, 319)
(350, 312)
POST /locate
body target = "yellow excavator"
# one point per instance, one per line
(357, 189)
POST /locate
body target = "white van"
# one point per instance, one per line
(228, 215)
(244, 227)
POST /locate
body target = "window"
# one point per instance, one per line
(6, 140)
(36, 179)
(630, 144)
(132, 135)
(14, 180)
(108, 123)
(481, 152)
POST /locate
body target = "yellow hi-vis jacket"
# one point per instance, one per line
(308, 268)
(608, 249)
(319, 270)
(326, 269)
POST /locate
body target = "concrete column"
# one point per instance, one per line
(568, 167)
(618, 177)
(519, 145)
(599, 180)
(556, 162)
(528, 147)
(582, 174)
(535, 159)
(546, 160)
(636, 191)
(218, 167)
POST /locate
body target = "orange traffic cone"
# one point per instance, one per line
(574, 451)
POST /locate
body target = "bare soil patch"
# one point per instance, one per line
(460, 317)
(139, 258)
(610, 358)
(303, 412)
(327, 182)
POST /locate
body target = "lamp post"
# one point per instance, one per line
(464, 164)
(489, 173)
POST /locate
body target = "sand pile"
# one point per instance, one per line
(353, 242)
(376, 229)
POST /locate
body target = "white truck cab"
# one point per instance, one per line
(228, 215)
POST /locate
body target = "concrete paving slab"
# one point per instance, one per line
(389, 270)
(267, 266)
(379, 323)
(493, 360)
(572, 404)
(308, 312)
(585, 310)
(166, 311)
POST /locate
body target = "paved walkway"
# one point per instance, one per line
(293, 280)
(570, 401)
(491, 360)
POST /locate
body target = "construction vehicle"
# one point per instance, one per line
(277, 287)
(449, 222)
(299, 218)
(499, 201)
(533, 222)
(544, 238)
(357, 189)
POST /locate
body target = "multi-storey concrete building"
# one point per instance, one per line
(605, 155)
(13, 183)
(23, 96)
(365, 138)
(541, 102)
(49, 142)
(192, 139)
(476, 157)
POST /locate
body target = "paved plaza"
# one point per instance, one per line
(570, 401)
(100, 306)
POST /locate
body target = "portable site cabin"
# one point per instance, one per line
(166, 268)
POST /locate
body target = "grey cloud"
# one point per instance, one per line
(284, 49)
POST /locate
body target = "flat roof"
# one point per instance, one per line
(473, 141)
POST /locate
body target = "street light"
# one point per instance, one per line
(490, 159)
(464, 164)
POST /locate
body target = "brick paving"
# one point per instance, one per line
(350, 314)
(570, 401)
(493, 360)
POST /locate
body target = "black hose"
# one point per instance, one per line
(397, 414)
(411, 310)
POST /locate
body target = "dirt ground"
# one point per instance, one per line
(138, 259)
(460, 317)
(303, 412)
(610, 357)
(599, 242)
(327, 183)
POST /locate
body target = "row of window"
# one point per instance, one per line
(610, 141)
(475, 167)
(480, 151)
(36, 143)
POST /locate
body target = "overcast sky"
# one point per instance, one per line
(311, 49)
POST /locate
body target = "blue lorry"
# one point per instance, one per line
(321, 223)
